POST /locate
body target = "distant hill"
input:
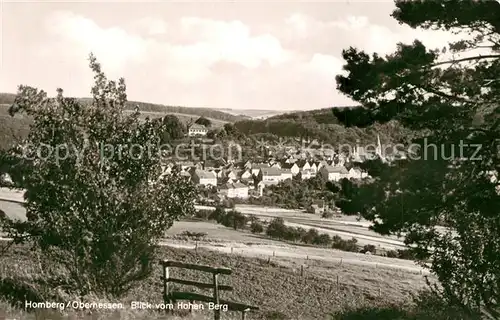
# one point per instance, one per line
(254, 114)
(15, 128)
(321, 124)
(8, 98)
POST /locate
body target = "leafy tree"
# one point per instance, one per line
(256, 227)
(203, 121)
(95, 204)
(218, 214)
(234, 219)
(448, 100)
(173, 128)
(276, 228)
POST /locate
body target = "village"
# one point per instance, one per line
(246, 178)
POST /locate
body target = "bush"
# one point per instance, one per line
(293, 234)
(203, 214)
(345, 245)
(276, 228)
(392, 254)
(369, 248)
(256, 227)
(190, 234)
(234, 219)
(228, 203)
(218, 214)
(310, 235)
(327, 214)
(322, 240)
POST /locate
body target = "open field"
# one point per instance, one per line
(275, 287)
(222, 239)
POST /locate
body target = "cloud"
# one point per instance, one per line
(152, 26)
(360, 32)
(209, 42)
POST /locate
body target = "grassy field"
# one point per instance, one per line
(276, 287)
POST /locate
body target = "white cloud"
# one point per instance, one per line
(212, 41)
(114, 47)
(152, 26)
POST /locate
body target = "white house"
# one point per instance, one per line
(286, 174)
(307, 174)
(246, 175)
(234, 190)
(197, 130)
(334, 173)
(293, 167)
(205, 178)
(269, 175)
(257, 167)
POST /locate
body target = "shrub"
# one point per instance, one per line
(392, 254)
(276, 228)
(218, 214)
(327, 214)
(234, 219)
(190, 234)
(256, 227)
(310, 235)
(345, 245)
(293, 234)
(369, 248)
(203, 214)
(228, 203)
(322, 240)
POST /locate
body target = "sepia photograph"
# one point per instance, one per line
(249, 159)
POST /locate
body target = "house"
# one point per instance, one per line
(185, 175)
(314, 168)
(306, 174)
(203, 177)
(286, 174)
(355, 173)
(246, 175)
(257, 167)
(331, 173)
(234, 190)
(272, 175)
(186, 165)
(233, 175)
(263, 184)
(303, 165)
(197, 130)
(248, 165)
(318, 207)
(293, 167)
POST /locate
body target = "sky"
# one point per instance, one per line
(281, 55)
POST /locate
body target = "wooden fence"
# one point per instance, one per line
(170, 296)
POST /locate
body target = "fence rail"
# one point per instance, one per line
(170, 296)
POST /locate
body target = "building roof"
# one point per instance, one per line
(260, 166)
(285, 165)
(202, 174)
(235, 185)
(196, 126)
(331, 169)
(271, 171)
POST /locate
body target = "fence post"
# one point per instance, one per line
(337, 281)
(274, 253)
(301, 270)
(216, 296)
(166, 289)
